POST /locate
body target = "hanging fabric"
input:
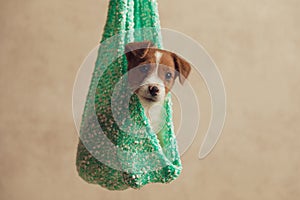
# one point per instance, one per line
(117, 148)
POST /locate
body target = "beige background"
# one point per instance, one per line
(256, 46)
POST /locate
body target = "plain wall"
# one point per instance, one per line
(256, 45)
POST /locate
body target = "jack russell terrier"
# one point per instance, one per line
(151, 75)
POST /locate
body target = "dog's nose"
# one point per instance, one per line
(153, 90)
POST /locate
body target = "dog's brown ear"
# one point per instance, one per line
(137, 49)
(182, 67)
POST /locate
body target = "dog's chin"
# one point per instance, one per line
(149, 99)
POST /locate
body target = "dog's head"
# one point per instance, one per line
(152, 71)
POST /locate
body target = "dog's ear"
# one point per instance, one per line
(137, 49)
(182, 67)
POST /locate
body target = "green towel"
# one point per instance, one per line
(117, 147)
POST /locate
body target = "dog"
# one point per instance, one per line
(151, 75)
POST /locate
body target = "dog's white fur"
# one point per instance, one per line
(153, 110)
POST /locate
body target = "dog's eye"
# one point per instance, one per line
(168, 76)
(144, 68)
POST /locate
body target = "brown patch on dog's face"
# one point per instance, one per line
(150, 66)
